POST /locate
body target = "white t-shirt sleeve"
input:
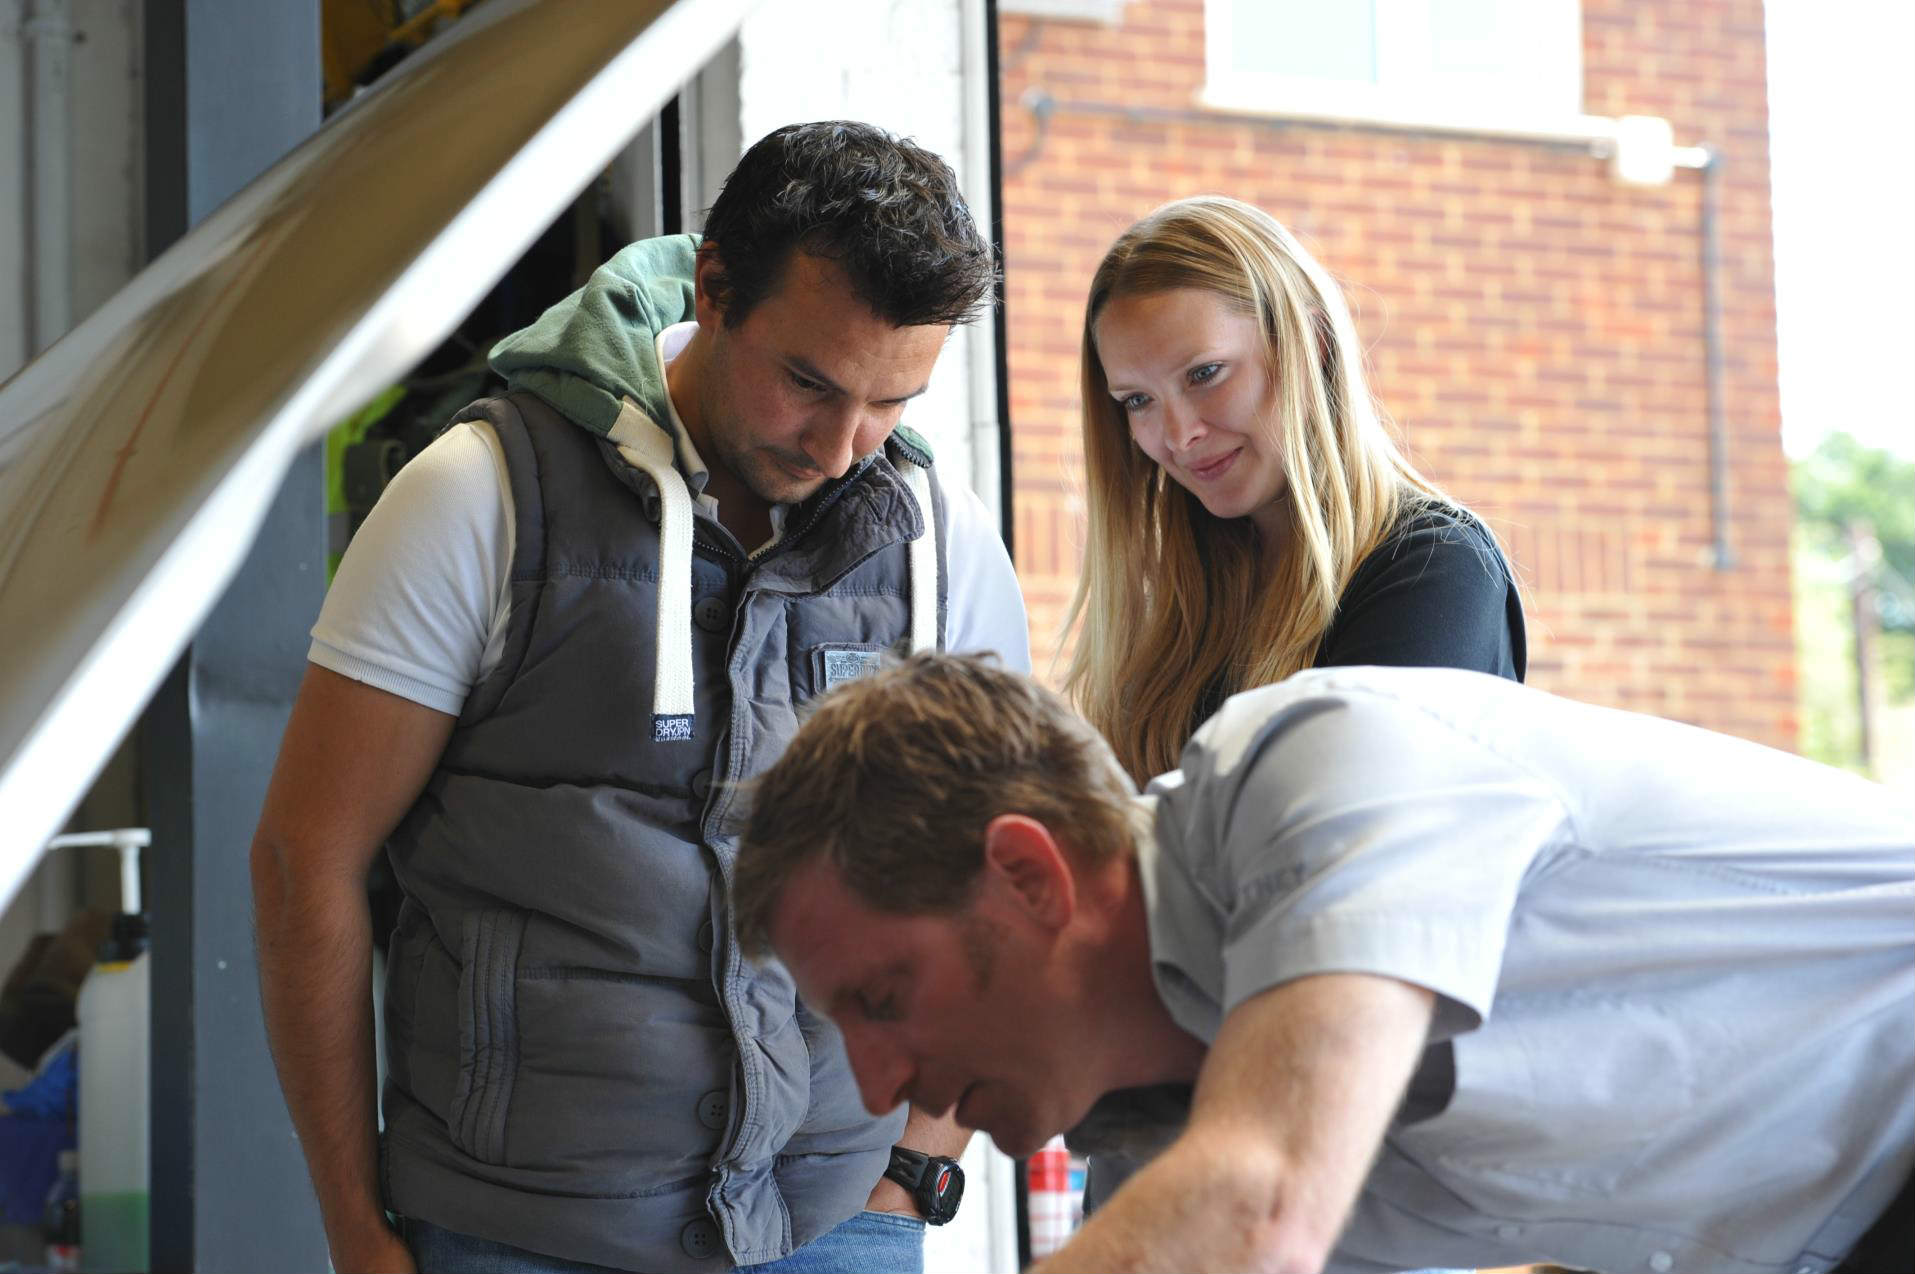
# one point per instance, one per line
(418, 605)
(1355, 833)
(985, 606)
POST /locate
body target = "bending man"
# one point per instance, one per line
(1403, 967)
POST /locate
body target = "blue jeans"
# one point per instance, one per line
(871, 1241)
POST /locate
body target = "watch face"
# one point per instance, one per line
(947, 1188)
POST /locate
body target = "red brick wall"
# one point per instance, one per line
(1536, 329)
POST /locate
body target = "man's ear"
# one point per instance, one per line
(1026, 859)
(705, 307)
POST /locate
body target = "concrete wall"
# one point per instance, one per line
(98, 241)
(13, 189)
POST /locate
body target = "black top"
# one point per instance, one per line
(1437, 594)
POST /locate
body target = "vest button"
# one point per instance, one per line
(704, 937)
(712, 615)
(1660, 1262)
(701, 784)
(699, 1239)
(714, 1108)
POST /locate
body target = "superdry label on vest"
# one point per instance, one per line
(848, 664)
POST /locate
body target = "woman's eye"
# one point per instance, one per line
(1198, 375)
(1134, 402)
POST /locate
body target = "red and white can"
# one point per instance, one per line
(1054, 1178)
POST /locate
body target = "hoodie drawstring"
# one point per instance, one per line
(648, 448)
(923, 556)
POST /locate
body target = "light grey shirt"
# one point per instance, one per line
(1676, 970)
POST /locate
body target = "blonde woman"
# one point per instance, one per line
(1249, 514)
(1250, 517)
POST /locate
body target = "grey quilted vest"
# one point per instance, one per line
(581, 1062)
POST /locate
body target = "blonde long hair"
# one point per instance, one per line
(1175, 601)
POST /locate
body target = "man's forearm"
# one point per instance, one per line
(354, 759)
(934, 1135)
(1288, 1111)
(1204, 1204)
(315, 975)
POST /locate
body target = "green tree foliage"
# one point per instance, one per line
(1843, 482)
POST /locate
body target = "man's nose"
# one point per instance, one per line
(831, 442)
(883, 1072)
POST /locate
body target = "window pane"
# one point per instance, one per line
(1309, 39)
(1474, 36)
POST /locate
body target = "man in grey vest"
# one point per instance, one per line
(568, 631)
(1401, 967)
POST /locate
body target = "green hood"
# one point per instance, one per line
(597, 346)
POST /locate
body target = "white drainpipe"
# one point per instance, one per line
(47, 39)
(980, 356)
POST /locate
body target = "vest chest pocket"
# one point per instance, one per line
(833, 664)
(488, 1032)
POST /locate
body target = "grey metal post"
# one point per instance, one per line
(231, 86)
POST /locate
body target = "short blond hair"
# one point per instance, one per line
(894, 777)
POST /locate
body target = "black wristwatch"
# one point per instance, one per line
(935, 1182)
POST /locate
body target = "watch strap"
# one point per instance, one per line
(907, 1166)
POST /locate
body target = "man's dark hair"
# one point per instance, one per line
(884, 210)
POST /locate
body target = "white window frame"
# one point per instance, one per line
(1108, 12)
(1409, 94)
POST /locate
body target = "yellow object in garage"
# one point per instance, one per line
(361, 38)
